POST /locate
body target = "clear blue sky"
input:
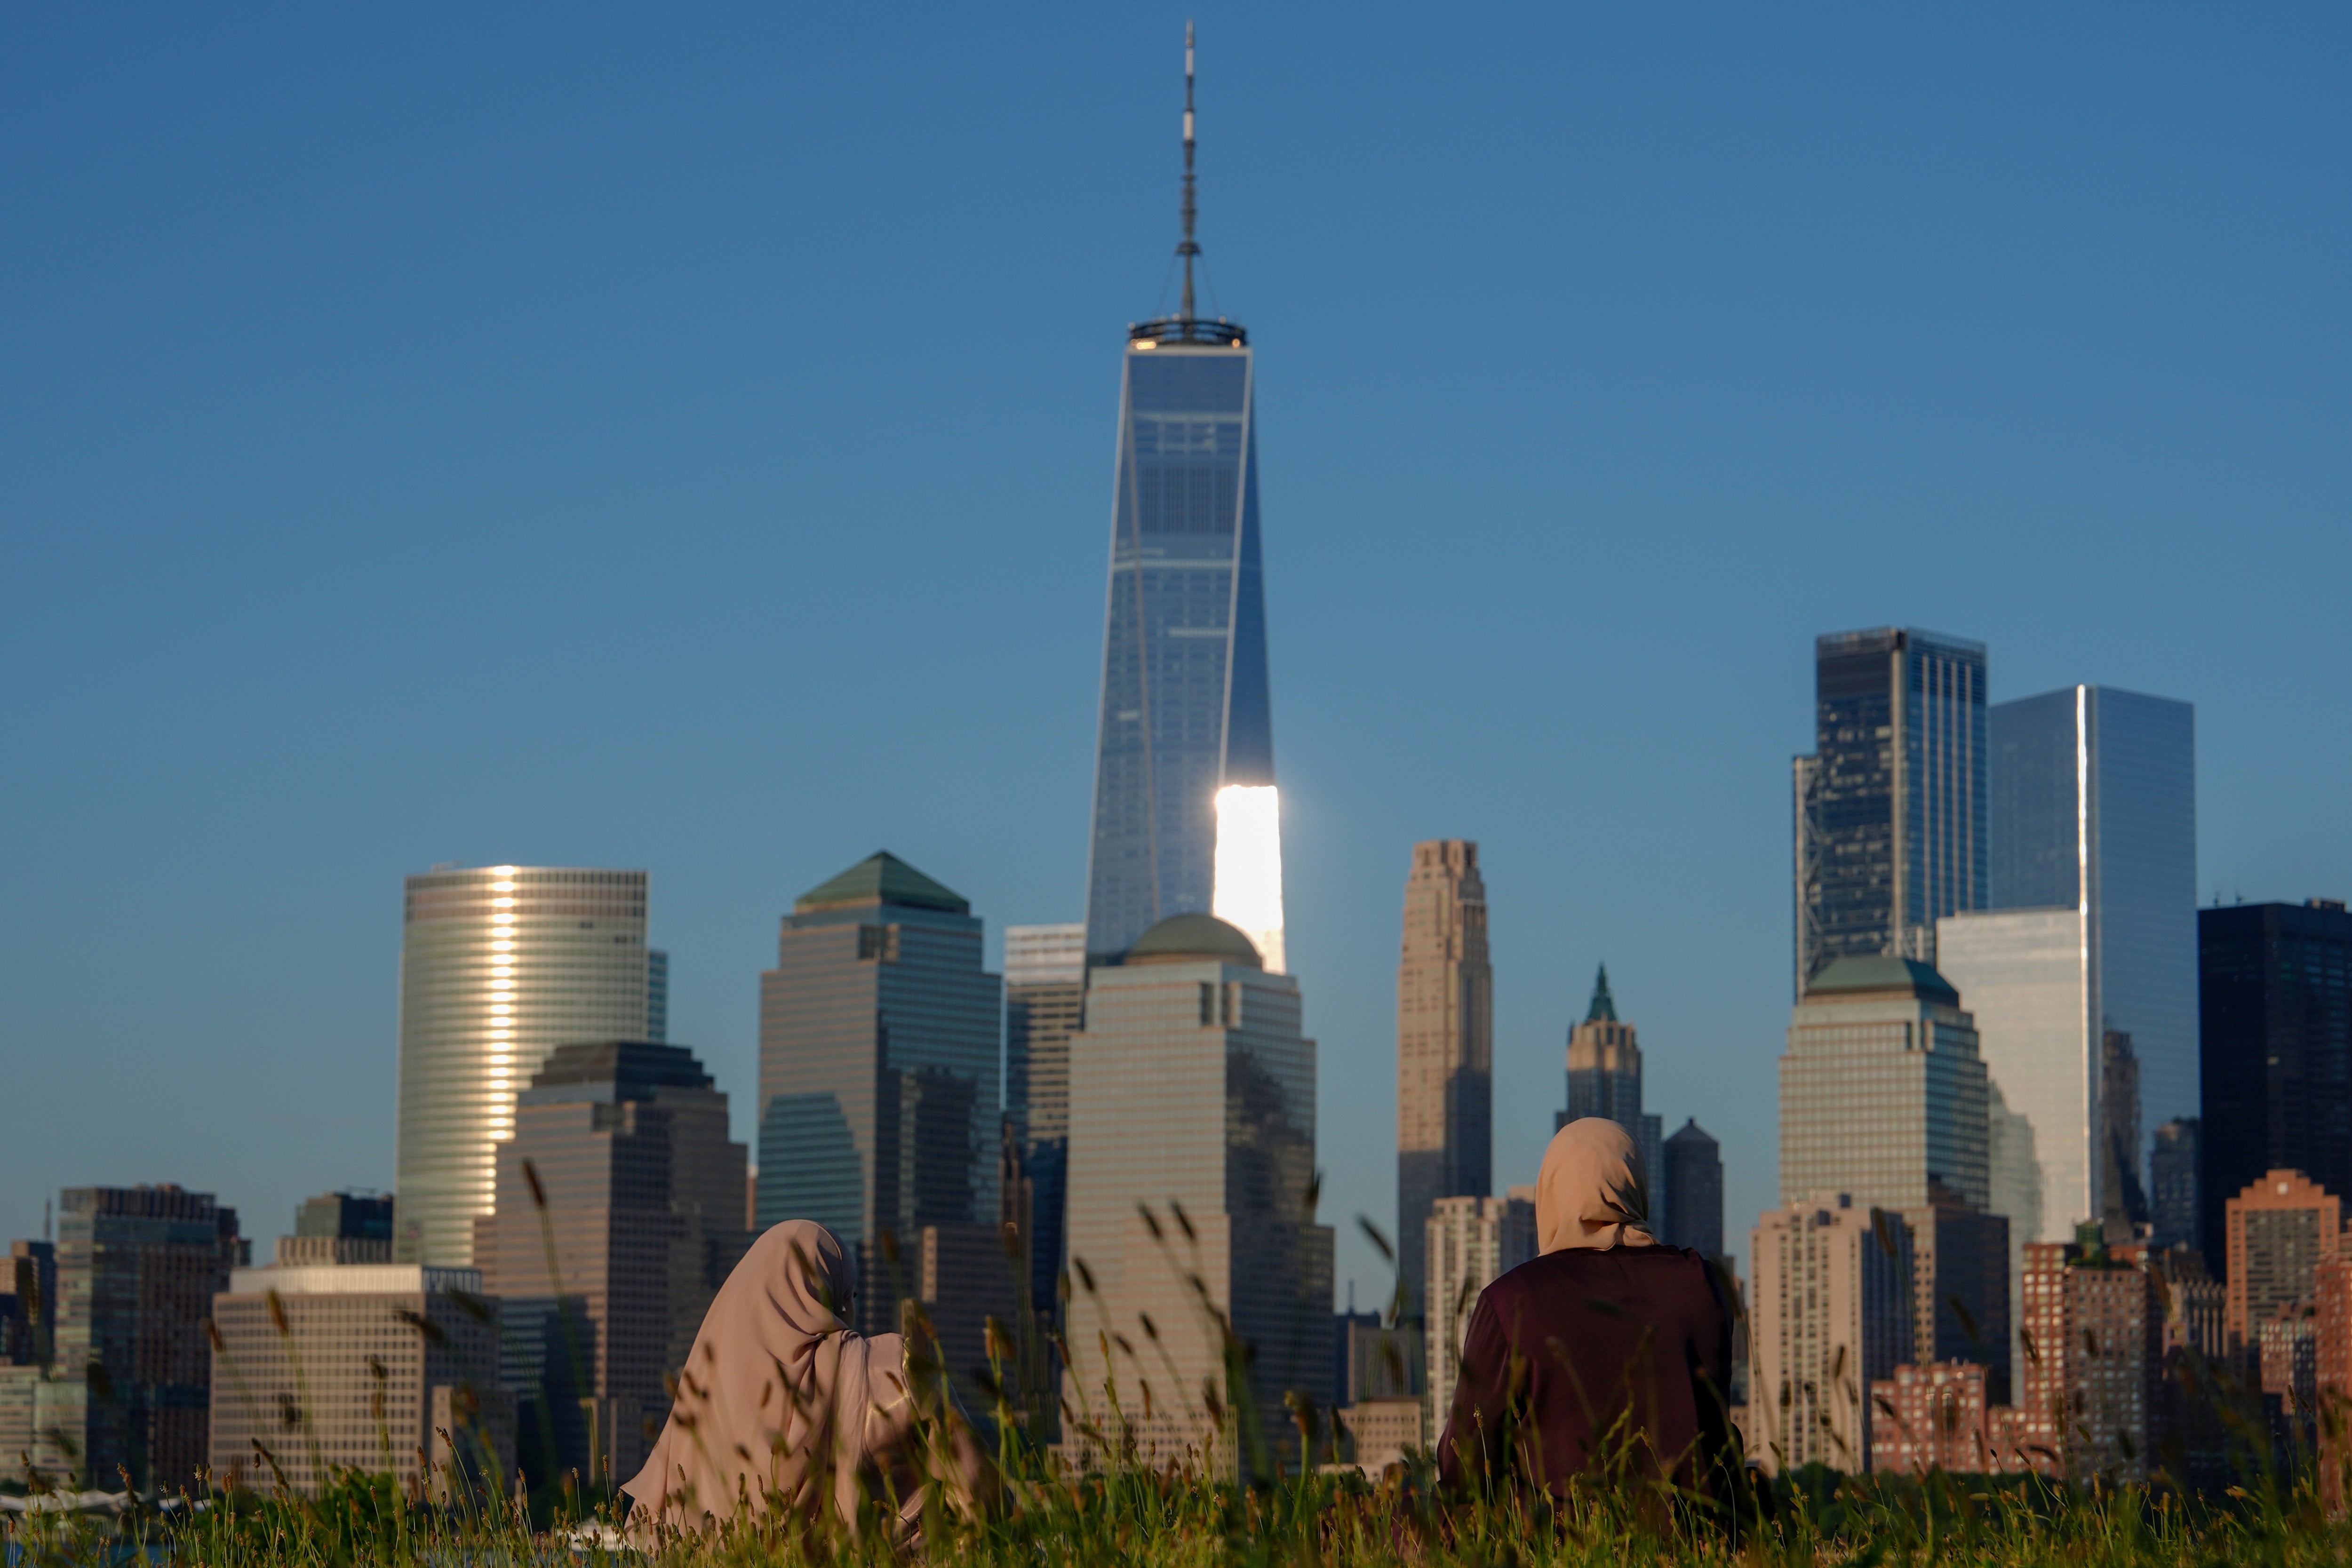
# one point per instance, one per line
(616, 436)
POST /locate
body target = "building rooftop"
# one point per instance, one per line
(633, 1068)
(883, 878)
(1193, 936)
(1853, 977)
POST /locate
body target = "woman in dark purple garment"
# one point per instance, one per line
(1607, 1356)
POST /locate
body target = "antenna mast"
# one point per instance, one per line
(1188, 249)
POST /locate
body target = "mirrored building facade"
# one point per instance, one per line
(880, 1104)
(1185, 703)
(1890, 826)
(498, 965)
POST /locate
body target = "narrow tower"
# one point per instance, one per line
(1445, 1048)
(1185, 815)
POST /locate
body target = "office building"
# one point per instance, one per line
(880, 1105)
(383, 1368)
(1691, 1174)
(498, 965)
(1044, 1004)
(1375, 1360)
(137, 1270)
(28, 1309)
(2172, 1203)
(2078, 974)
(1471, 1242)
(44, 1419)
(2276, 1232)
(1890, 806)
(1831, 1315)
(620, 1155)
(1445, 1047)
(2274, 987)
(1881, 1091)
(1193, 1159)
(1378, 1432)
(2091, 1388)
(1959, 1287)
(1186, 711)
(1604, 1079)
(1932, 1416)
(340, 1228)
(2331, 1295)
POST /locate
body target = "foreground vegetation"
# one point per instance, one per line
(1140, 1518)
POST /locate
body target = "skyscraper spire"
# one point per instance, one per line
(1188, 249)
(1604, 1006)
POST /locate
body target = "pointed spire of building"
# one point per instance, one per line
(1604, 1008)
(1186, 247)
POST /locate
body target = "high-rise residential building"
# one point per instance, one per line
(1191, 1175)
(2274, 989)
(498, 965)
(1831, 1315)
(340, 1228)
(2172, 1162)
(383, 1368)
(1882, 1094)
(1186, 712)
(1445, 1047)
(1471, 1243)
(2091, 1388)
(2276, 1232)
(880, 1109)
(1692, 1175)
(2079, 972)
(1959, 1287)
(1045, 1005)
(1604, 1079)
(1890, 806)
(137, 1270)
(620, 1155)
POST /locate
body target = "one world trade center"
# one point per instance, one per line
(1185, 813)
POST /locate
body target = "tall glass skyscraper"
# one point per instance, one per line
(498, 965)
(880, 1099)
(1890, 806)
(1185, 707)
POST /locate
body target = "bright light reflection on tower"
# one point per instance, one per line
(1249, 867)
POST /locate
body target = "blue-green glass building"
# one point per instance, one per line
(879, 1097)
(1185, 707)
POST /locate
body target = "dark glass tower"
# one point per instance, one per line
(879, 1099)
(1185, 709)
(2274, 1049)
(1890, 807)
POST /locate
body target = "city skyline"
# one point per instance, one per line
(563, 532)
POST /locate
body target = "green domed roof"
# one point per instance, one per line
(1196, 937)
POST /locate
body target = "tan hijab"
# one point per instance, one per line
(781, 1403)
(1593, 1191)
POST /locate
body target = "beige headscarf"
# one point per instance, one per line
(1593, 1192)
(780, 1400)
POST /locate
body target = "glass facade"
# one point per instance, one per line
(1890, 806)
(2275, 1017)
(881, 1104)
(2095, 810)
(1185, 702)
(1045, 1005)
(1192, 1095)
(498, 965)
(1445, 1048)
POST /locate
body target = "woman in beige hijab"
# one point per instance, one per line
(783, 1408)
(1608, 1352)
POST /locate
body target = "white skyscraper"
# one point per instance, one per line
(1470, 1243)
(498, 965)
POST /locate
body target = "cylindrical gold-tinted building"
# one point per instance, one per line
(498, 965)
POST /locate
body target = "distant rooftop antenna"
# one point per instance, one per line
(1188, 249)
